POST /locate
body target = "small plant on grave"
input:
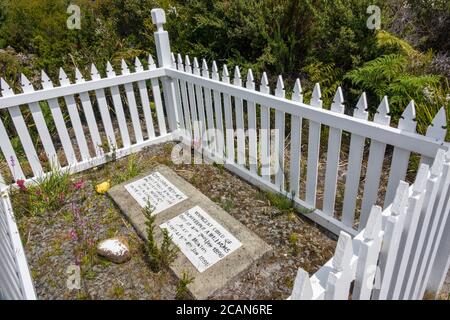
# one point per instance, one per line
(158, 257)
(182, 291)
(132, 170)
(293, 242)
(47, 194)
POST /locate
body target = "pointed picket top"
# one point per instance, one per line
(382, 115)
(373, 226)
(196, 68)
(279, 90)
(264, 86)
(45, 80)
(25, 84)
(302, 289)
(110, 70)
(138, 65)
(400, 199)
(360, 111)
(6, 88)
(124, 66)
(316, 96)
(438, 163)
(250, 84)
(407, 121)
(237, 81)
(174, 62)
(338, 100)
(421, 178)
(78, 76)
(63, 79)
(225, 74)
(297, 93)
(180, 65)
(214, 71)
(436, 128)
(187, 64)
(343, 253)
(151, 63)
(94, 72)
(205, 70)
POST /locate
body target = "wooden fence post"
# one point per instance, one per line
(165, 61)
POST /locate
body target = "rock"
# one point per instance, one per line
(114, 249)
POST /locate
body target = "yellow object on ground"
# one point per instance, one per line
(103, 187)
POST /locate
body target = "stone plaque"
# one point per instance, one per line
(200, 238)
(158, 190)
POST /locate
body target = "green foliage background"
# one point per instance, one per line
(324, 41)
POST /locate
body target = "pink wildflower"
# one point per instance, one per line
(79, 185)
(21, 184)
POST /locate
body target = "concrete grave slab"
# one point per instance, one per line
(218, 274)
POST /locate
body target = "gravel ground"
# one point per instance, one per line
(50, 249)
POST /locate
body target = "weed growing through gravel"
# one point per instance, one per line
(46, 194)
(158, 257)
(182, 291)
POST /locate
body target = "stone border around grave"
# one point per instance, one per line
(217, 276)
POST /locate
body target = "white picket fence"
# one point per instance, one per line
(15, 279)
(258, 135)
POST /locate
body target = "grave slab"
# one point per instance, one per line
(195, 223)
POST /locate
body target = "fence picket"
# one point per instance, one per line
(278, 151)
(340, 277)
(192, 105)
(10, 155)
(302, 289)
(229, 131)
(423, 224)
(176, 83)
(104, 111)
(333, 155)
(142, 86)
(313, 150)
(118, 107)
(209, 111)
(22, 131)
(132, 106)
(415, 202)
(220, 133)
(75, 118)
(252, 128)
(392, 234)
(239, 112)
(264, 139)
(157, 99)
(90, 117)
(184, 98)
(60, 124)
(436, 130)
(200, 108)
(369, 250)
(41, 125)
(400, 157)
(296, 143)
(440, 221)
(375, 164)
(354, 166)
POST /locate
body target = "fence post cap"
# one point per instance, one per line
(158, 17)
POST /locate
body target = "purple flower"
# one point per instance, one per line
(79, 185)
(21, 184)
